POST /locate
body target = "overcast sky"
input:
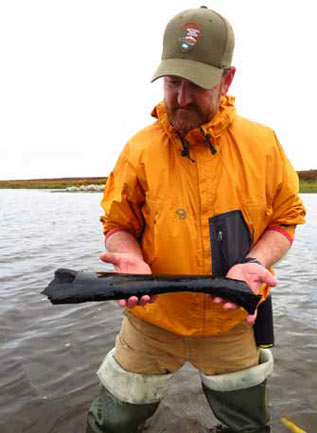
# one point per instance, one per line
(75, 78)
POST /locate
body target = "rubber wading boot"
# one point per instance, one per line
(126, 400)
(243, 411)
(239, 400)
(107, 414)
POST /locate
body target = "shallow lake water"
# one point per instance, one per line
(49, 354)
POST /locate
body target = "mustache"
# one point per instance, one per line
(192, 108)
(185, 118)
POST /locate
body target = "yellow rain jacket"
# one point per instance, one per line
(198, 212)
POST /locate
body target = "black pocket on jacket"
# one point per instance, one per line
(230, 240)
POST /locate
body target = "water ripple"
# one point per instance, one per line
(49, 355)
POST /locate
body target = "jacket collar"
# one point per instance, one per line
(214, 128)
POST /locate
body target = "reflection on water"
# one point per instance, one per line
(49, 355)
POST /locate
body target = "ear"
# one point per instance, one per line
(227, 80)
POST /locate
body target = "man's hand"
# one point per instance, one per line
(128, 263)
(254, 275)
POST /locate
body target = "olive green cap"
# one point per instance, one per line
(198, 45)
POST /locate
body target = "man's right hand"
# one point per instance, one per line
(128, 263)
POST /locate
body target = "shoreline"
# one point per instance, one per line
(58, 183)
(307, 183)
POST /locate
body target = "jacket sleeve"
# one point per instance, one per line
(122, 200)
(287, 207)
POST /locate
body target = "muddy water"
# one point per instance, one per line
(49, 355)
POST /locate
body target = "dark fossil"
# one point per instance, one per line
(71, 287)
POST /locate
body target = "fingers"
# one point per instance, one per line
(226, 305)
(129, 264)
(231, 306)
(134, 301)
(144, 300)
(122, 303)
(269, 279)
(251, 317)
(217, 300)
(129, 303)
(113, 258)
(265, 278)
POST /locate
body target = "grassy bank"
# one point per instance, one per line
(61, 183)
(308, 186)
(307, 182)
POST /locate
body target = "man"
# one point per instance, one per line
(200, 191)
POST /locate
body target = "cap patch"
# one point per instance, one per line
(189, 35)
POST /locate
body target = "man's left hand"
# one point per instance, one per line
(254, 275)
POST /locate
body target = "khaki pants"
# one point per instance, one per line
(146, 349)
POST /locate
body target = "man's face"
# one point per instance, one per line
(189, 106)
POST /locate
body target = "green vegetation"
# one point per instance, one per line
(52, 183)
(307, 182)
(308, 187)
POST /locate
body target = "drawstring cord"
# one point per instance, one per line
(185, 151)
(185, 144)
(209, 142)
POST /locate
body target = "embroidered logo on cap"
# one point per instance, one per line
(189, 35)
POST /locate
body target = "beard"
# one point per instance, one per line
(193, 115)
(185, 119)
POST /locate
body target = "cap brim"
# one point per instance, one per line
(205, 76)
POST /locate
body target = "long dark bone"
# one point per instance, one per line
(71, 287)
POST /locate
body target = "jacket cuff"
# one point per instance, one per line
(113, 231)
(288, 232)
